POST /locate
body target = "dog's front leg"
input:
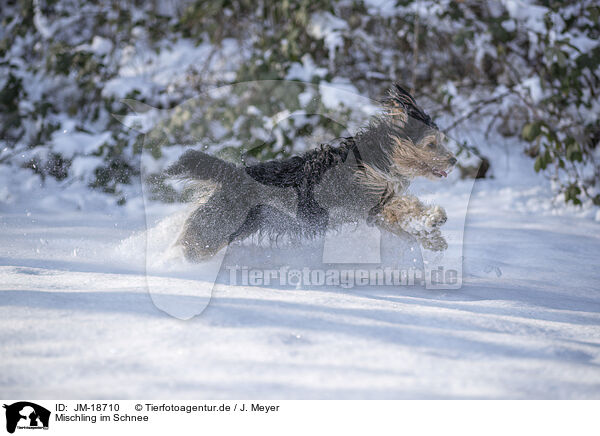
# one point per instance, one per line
(406, 214)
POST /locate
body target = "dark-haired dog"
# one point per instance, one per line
(363, 178)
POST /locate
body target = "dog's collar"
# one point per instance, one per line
(356, 152)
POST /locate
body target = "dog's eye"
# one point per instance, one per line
(431, 145)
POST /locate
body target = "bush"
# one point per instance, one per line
(531, 73)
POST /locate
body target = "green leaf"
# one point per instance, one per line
(548, 159)
(539, 164)
(531, 131)
(574, 153)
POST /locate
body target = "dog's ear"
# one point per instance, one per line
(399, 103)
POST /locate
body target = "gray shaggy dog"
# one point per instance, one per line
(365, 177)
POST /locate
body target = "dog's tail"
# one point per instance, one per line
(197, 165)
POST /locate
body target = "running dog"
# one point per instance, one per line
(365, 177)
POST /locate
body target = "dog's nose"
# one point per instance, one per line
(452, 160)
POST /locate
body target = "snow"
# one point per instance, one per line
(100, 46)
(329, 28)
(524, 11)
(340, 93)
(77, 311)
(147, 71)
(306, 70)
(385, 8)
(69, 143)
(96, 302)
(40, 22)
(532, 84)
(83, 166)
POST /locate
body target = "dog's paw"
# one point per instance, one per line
(435, 216)
(433, 241)
(294, 278)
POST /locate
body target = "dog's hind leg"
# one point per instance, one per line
(210, 227)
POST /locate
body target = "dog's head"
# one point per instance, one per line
(418, 147)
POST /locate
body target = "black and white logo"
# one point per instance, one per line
(26, 415)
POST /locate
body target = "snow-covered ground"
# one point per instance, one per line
(80, 318)
(77, 319)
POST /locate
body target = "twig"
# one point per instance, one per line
(413, 85)
(476, 110)
(491, 124)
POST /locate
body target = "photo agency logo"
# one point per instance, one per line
(25, 415)
(339, 277)
(292, 184)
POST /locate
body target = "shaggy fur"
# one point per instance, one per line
(363, 178)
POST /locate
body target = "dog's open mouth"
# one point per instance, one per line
(439, 173)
